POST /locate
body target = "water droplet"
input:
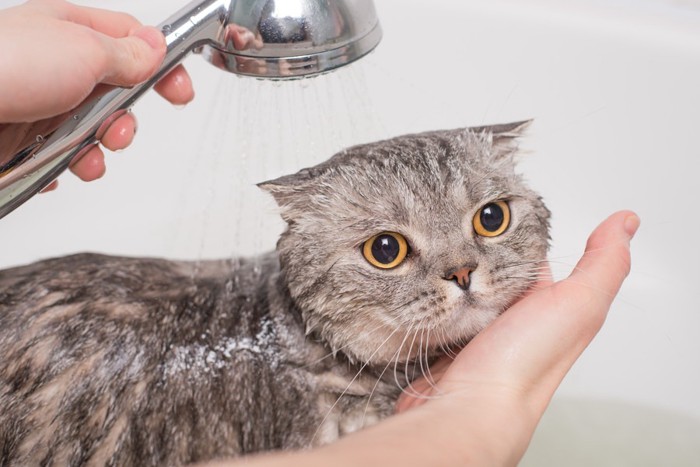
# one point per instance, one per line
(166, 29)
(76, 117)
(39, 139)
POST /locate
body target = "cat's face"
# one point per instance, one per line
(411, 244)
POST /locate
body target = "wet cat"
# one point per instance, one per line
(394, 251)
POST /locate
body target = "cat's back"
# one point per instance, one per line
(85, 301)
(109, 360)
(87, 278)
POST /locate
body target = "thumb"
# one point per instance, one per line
(133, 59)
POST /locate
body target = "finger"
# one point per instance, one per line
(606, 261)
(91, 166)
(133, 59)
(50, 187)
(530, 348)
(591, 287)
(176, 86)
(584, 298)
(132, 52)
(112, 23)
(121, 133)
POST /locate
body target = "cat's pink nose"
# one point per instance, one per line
(461, 276)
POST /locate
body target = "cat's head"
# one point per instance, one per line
(418, 241)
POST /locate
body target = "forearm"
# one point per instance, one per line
(447, 432)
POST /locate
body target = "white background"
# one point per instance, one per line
(614, 90)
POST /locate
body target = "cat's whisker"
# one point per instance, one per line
(397, 357)
(351, 343)
(524, 277)
(427, 374)
(445, 346)
(419, 357)
(561, 259)
(396, 362)
(394, 359)
(374, 388)
(522, 263)
(408, 359)
(359, 372)
(409, 389)
(420, 354)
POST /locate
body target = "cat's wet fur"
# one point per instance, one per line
(122, 361)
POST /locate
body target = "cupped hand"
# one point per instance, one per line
(503, 380)
(56, 55)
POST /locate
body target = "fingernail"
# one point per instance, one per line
(632, 224)
(181, 80)
(152, 36)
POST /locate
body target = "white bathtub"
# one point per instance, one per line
(614, 88)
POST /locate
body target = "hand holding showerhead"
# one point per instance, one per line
(91, 51)
(260, 38)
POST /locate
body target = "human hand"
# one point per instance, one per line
(56, 55)
(504, 379)
(483, 407)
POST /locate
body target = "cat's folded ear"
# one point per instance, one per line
(506, 130)
(503, 137)
(287, 184)
(289, 190)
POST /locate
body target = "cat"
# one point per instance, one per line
(394, 253)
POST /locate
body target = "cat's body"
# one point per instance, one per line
(123, 361)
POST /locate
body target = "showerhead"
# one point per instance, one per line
(277, 39)
(293, 38)
(272, 39)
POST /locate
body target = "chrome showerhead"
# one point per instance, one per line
(293, 38)
(272, 39)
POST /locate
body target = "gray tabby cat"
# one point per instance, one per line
(394, 252)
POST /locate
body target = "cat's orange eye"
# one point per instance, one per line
(492, 219)
(386, 250)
